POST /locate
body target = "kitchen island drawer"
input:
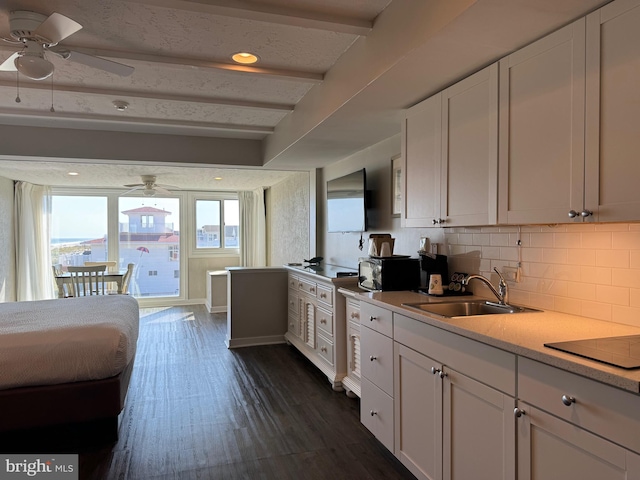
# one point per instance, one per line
(377, 358)
(593, 406)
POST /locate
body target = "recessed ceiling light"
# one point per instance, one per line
(244, 58)
(217, 178)
(73, 174)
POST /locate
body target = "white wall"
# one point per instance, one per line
(7, 246)
(288, 220)
(342, 248)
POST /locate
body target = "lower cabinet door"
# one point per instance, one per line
(478, 430)
(418, 413)
(376, 412)
(552, 449)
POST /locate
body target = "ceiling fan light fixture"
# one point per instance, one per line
(244, 58)
(34, 66)
(149, 192)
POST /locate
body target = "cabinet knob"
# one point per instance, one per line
(312, 290)
(323, 349)
(323, 295)
(442, 374)
(438, 221)
(434, 221)
(355, 315)
(586, 213)
(435, 370)
(372, 358)
(373, 412)
(518, 412)
(372, 318)
(568, 400)
(573, 214)
(323, 320)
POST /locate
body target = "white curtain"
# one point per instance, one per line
(34, 276)
(253, 244)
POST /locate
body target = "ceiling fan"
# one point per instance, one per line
(38, 35)
(149, 187)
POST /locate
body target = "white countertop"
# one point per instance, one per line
(524, 334)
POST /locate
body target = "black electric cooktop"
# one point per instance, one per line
(623, 352)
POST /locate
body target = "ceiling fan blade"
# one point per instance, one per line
(138, 185)
(57, 27)
(101, 63)
(130, 191)
(9, 64)
(163, 185)
(161, 190)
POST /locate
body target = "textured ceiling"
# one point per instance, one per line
(334, 76)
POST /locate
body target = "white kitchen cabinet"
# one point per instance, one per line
(541, 139)
(376, 401)
(449, 425)
(469, 170)
(316, 322)
(352, 381)
(422, 134)
(570, 425)
(450, 155)
(613, 112)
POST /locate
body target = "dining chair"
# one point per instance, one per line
(112, 266)
(127, 278)
(88, 280)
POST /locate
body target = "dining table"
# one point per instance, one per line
(64, 278)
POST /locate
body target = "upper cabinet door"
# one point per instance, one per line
(469, 173)
(421, 151)
(613, 112)
(541, 139)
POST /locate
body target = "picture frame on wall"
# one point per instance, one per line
(396, 185)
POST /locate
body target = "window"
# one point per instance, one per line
(78, 230)
(158, 219)
(217, 223)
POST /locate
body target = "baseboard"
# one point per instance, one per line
(254, 341)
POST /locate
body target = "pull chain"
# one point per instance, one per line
(52, 110)
(18, 87)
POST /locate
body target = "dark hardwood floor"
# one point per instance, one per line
(196, 409)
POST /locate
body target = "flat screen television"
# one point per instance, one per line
(346, 203)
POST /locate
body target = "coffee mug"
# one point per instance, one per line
(435, 284)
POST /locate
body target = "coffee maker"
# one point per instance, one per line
(431, 263)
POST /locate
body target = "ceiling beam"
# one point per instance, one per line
(268, 13)
(129, 94)
(294, 75)
(14, 116)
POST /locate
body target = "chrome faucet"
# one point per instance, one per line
(502, 294)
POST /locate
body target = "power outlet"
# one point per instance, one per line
(510, 274)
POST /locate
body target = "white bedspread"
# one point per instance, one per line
(66, 340)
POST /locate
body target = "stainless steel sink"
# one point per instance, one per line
(467, 309)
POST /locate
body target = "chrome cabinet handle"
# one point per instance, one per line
(437, 371)
(373, 412)
(568, 400)
(372, 318)
(372, 358)
(518, 412)
(438, 221)
(573, 214)
(586, 213)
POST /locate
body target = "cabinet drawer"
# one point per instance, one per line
(306, 286)
(324, 321)
(379, 319)
(325, 349)
(294, 302)
(598, 408)
(353, 310)
(377, 358)
(293, 282)
(376, 413)
(325, 294)
(294, 325)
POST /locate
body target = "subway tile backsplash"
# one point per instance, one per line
(592, 270)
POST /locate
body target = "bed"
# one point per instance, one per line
(66, 363)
